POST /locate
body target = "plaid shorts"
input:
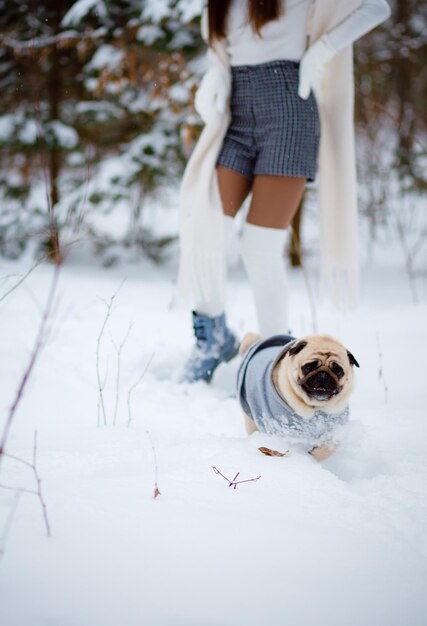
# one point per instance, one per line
(272, 130)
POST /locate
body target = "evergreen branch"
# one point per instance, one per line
(68, 36)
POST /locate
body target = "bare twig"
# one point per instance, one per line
(8, 277)
(39, 486)
(233, 483)
(380, 369)
(408, 254)
(101, 384)
(118, 350)
(13, 457)
(21, 280)
(135, 385)
(19, 489)
(33, 466)
(156, 488)
(40, 340)
(394, 118)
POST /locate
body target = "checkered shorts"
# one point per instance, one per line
(272, 130)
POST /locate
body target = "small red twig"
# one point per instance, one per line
(234, 482)
(156, 488)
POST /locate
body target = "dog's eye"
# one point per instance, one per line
(337, 370)
(309, 367)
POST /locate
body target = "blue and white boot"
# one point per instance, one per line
(215, 344)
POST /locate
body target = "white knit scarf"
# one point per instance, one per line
(202, 258)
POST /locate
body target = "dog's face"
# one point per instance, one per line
(319, 370)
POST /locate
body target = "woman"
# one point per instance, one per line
(264, 139)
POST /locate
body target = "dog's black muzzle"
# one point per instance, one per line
(321, 384)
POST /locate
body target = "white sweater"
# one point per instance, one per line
(285, 38)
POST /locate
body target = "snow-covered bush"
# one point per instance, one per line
(96, 99)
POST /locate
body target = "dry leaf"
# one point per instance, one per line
(269, 452)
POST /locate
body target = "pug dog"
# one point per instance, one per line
(297, 388)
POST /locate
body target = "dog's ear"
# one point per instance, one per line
(297, 348)
(352, 359)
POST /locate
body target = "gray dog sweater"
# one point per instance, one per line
(262, 402)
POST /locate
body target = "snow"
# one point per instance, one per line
(180, 39)
(341, 543)
(66, 136)
(101, 111)
(155, 10)
(81, 8)
(149, 33)
(7, 126)
(27, 130)
(179, 93)
(16, 124)
(106, 56)
(190, 9)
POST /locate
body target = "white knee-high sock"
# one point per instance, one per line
(215, 305)
(262, 250)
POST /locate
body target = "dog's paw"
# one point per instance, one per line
(322, 453)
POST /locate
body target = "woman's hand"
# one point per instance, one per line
(312, 68)
(212, 95)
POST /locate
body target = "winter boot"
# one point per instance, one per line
(215, 343)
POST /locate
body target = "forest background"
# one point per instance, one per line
(97, 115)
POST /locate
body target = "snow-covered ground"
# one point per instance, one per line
(342, 543)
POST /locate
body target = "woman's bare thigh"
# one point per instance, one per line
(275, 200)
(233, 188)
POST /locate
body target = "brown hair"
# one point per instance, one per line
(260, 12)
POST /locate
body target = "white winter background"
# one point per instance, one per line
(339, 543)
